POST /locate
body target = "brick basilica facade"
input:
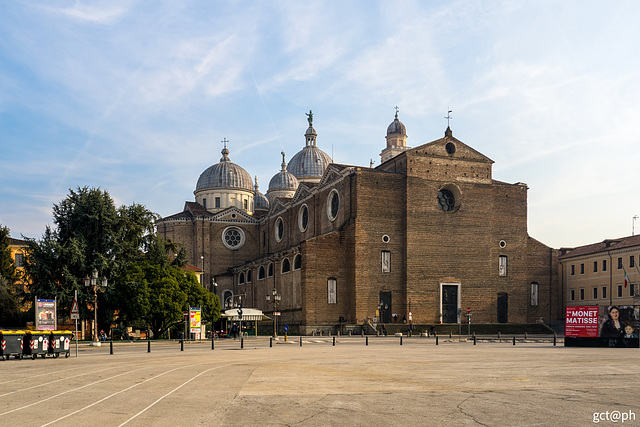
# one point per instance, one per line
(427, 232)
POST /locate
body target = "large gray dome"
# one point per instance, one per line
(225, 175)
(310, 161)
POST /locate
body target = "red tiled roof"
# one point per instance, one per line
(604, 246)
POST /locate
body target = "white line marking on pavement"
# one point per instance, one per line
(175, 389)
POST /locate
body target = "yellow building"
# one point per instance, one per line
(18, 250)
(595, 274)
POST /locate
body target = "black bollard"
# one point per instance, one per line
(300, 341)
(241, 342)
(148, 346)
(213, 347)
(400, 339)
(436, 340)
(111, 347)
(449, 334)
(334, 341)
(366, 341)
(474, 339)
(182, 345)
(555, 337)
(514, 340)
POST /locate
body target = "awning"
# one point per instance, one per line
(248, 315)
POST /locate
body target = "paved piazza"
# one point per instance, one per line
(317, 384)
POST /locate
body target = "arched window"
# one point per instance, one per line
(248, 276)
(286, 265)
(297, 262)
(241, 278)
(270, 271)
(261, 274)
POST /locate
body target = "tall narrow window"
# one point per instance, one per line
(261, 274)
(241, 278)
(297, 262)
(595, 293)
(502, 265)
(573, 270)
(204, 203)
(534, 293)
(249, 274)
(572, 294)
(632, 261)
(286, 265)
(581, 268)
(604, 265)
(19, 259)
(595, 266)
(270, 270)
(581, 294)
(604, 292)
(619, 291)
(619, 263)
(246, 204)
(217, 202)
(332, 291)
(386, 261)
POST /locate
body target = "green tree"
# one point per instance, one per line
(89, 233)
(7, 266)
(10, 313)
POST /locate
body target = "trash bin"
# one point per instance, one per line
(59, 342)
(34, 344)
(11, 344)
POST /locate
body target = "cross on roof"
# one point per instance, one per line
(449, 116)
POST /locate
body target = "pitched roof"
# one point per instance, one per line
(604, 246)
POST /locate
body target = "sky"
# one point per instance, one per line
(135, 97)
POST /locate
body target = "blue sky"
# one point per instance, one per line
(135, 97)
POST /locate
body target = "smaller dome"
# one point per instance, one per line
(283, 180)
(260, 201)
(396, 127)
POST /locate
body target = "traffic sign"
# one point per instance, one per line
(286, 328)
(75, 312)
(185, 314)
(468, 310)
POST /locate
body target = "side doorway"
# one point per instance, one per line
(385, 307)
(449, 302)
(503, 307)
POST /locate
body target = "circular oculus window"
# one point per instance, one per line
(279, 229)
(446, 200)
(303, 218)
(503, 244)
(385, 238)
(233, 238)
(333, 205)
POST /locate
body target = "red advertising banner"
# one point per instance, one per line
(581, 322)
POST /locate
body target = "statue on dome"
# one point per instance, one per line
(310, 117)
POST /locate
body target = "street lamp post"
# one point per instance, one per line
(274, 297)
(202, 279)
(94, 284)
